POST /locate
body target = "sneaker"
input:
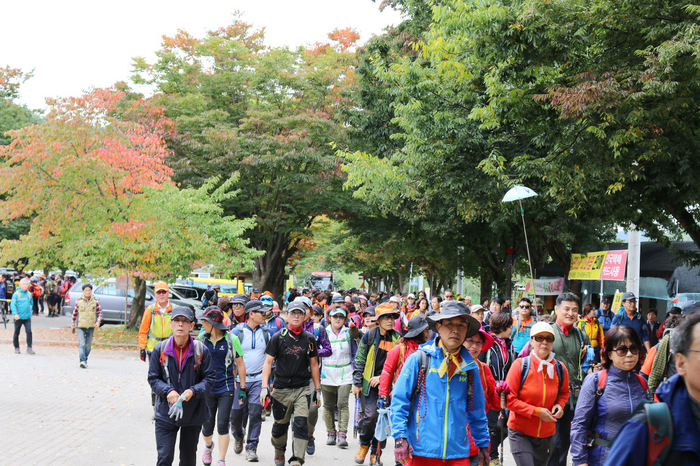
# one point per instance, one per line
(279, 460)
(238, 446)
(221, 463)
(251, 455)
(311, 446)
(331, 438)
(17, 351)
(30, 351)
(342, 440)
(206, 456)
(374, 460)
(83, 364)
(361, 454)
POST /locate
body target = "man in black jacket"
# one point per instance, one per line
(181, 375)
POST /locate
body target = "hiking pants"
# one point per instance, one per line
(494, 432)
(336, 397)
(370, 423)
(562, 438)
(166, 434)
(220, 403)
(249, 415)
(288, 403)
(529, 451)
(27, 330)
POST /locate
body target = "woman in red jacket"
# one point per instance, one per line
(539, 389)
(416, 335)
(477, 344)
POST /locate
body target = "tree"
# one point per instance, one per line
(270, 114)
(101, 197)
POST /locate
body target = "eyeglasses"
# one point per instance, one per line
(162, 292)
(297, 313)
(258, 312)
(524, 307)
(541, 338)
(623, 350)
(449, 296)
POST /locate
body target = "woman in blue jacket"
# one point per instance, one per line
(599, 417)
(21, 307)
(435, 424)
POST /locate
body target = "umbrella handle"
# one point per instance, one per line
(503, 401)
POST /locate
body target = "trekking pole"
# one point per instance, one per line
(502, 420)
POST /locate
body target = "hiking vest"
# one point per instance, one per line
(160, 325)
(337, 368)
(87, 312)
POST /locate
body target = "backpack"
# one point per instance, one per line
(229, 353)
(266, 334)
(602, 376)
(657, 417)
(10, 286)
(423, 367)
(198, 351)
(525, 369)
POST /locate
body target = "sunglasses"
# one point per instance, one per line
(258, 312)
(161, 292)
(623, 350)
(541, 338)
(524, 307)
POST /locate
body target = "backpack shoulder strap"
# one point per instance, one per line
(560, 374)
(266, 334)
(164, 359)
(524, 369)
(643, 382)
(422, 373)
(660, 424)
(198, 351)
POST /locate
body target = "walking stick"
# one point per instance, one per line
(502, 422)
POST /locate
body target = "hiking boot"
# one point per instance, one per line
(17, 351)
(495, 462)
(311, 446)
(279, 460)
(342, 440)
(238, 446)
(361, 454)
(374, 460)
(206, 456)
(331, 438)
(30, 351)
(83, 364)
(251, 455)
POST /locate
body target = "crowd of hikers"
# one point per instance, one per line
(450, 381)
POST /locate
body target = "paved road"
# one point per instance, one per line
(55, 413)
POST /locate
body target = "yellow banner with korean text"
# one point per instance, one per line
(601, 265)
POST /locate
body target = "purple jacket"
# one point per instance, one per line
(623, 392)
(322, 343)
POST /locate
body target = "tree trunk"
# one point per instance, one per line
(486, 284)
(138, 304)
(269, 268)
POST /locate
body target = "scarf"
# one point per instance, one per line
(448, 360)
(546, 363)
(564, 329)
(295, 331)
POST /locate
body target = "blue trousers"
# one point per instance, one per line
(85, 342)
(166, 434)
(248, 415)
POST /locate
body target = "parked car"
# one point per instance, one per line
(189, 291)
(113, 300)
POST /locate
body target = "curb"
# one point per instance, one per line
(73, 344)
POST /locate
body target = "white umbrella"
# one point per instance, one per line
(518, 193)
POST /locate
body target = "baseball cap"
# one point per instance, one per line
(240, 299)
(605, 300)
(675, 310)
(411, 296)
(296, 306)
(184, 312)
(690, 307)
(160, 285)
(628, 295)
(304, 300)
(253, 305)
(266, 300)
(541, 327)
(338, 310)
(338, 298)
(395, 299)
(215, 317)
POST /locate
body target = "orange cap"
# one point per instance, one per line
(161, 286)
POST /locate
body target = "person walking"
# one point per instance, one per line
(155, 323)
(336, 377)
(438, 409)
(87, 317)
(539, 390)
(570, 346)
(294, 351)
(369, 362)
(226, 355)
(590, 326)
(604, 314)
(607, 398)
(247, 416)
(628, 315)
(522, 323)
(680, 396)
(181, 374)
(21, 308)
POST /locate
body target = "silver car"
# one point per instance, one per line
(113, 300)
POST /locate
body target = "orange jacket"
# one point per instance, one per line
(539, 391)
(649, 361)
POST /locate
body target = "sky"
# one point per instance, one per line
(75, 45)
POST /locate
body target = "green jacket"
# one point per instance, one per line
(365, 357)
(569, 350)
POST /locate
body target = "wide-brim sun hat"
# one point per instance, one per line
(215, 317)
(451, 310)
(416, 326)
(386, 309)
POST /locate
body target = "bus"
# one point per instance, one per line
(228, 287)
(322, 281)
